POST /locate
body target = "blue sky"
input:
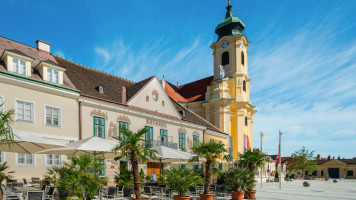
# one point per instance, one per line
(302, 56)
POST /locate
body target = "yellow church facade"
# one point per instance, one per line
(224, 98)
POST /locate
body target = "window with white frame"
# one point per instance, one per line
(52, 75)
(25, 159)
(53, 116)
(18, 66)
(24, 111)
(1, 104)
(53, 160)
(2, 157)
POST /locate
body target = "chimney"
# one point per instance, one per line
(123, 100)
(338, 158)
(318, 157)
(329, 157)
(43, 46)
(333, 157)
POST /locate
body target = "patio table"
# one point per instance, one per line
(24, 190)
(161, 191)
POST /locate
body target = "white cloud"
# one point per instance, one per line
(306, 87)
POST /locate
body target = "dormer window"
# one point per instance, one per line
(52, 75)
(101, 89)
(18, 66)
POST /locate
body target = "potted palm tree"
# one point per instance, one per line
(211, 152)
(4, 175)
(180, 179)
(132, 147)
(125, 179)
(252, 160)
(239, 180)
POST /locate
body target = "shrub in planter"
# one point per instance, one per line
(131, 148)
(211, 152)
(180, 179)
(240, 179)
(252, 160)
(276, 177)
(125, 179)
(287, 177)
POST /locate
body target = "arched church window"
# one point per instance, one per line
(246, 123)
(244, 86)
(225, 58)
(242, 58)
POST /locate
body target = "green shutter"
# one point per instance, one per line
(102, 162)
(149, 137)
(181, 140)
(99, 127)
(124, 125)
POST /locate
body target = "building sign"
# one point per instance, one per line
(151, 122)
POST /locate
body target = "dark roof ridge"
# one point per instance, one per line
(18, 42)
(194, 81)
(90, 68)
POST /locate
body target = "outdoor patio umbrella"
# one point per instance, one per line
(166, 155)
(28, 143)
(93, 145)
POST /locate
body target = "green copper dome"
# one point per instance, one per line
(230, 25)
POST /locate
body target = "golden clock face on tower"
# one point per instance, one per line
(225, 43)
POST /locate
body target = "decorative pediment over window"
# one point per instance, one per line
(124, 118)
(99, 113)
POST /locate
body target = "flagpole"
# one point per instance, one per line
(261, 155)
(280, 162)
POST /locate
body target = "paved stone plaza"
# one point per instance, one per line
(317, 190)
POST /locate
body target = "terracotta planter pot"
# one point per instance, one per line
(250, 194)
(206, 196)
(181, 198)
(237, 195)
(142, 198)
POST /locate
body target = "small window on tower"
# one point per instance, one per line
(101, 89)
(244, 86)
(225, 58)
(242, 58)
(246, 123)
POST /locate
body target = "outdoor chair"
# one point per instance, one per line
(34, 195)
(9, 194)
(193, 191)
(111, 193)
(120, 191)
(35, 181)
(147, 190)
(221, 191)
(50, 194)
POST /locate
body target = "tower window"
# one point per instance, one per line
(246, 123)
(242, 58)
(225, 58)
(244, 86)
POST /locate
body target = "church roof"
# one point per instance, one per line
(190, 92)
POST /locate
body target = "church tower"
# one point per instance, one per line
(224, 98)
(227, 100)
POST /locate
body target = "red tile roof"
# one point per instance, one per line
(194, 91)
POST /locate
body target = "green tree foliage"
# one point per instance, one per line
(132, 147)
(240, 179)
(124, 178)
(6, 131)
(211, 152)
(79, 176)
(252, 159)
(180, 179)
(303, 160)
